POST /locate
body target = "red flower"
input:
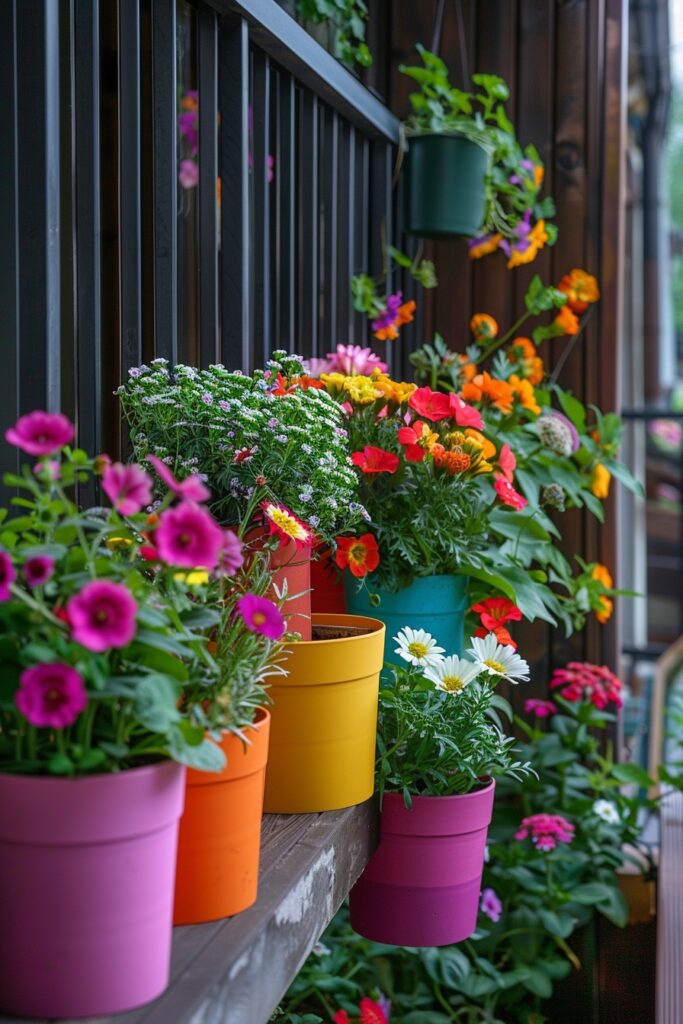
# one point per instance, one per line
(507, 494)
(371, 1012)
(463, 414)
(430, 404)
(375, 460)
(341, 1017)
(500, 632)
(507, 462)
(359, 554)
(582, 681)
(495, 611)
(417, 440)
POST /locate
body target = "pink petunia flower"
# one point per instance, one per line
(539, 708)
(230, 557)
(190, 488)
(188, 536)
(48, 469)
(51, 695)
(261, 616)
(507, 494)
(38, 570)
(188, 173)
(102, 615)
(41, 433)
(128, 488)
(507, 462)
(7, 575)
(490, 905)
(463, 414)
(545, 830)
(352, 360)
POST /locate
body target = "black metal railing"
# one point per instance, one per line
(95, 268)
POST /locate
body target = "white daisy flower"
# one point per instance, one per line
(452, 674)
(606, 810)
(498, 659)
(418, 647)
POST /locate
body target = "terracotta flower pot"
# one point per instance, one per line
(422, 885)
(290, 565)
(435, 603)
(86, 889)
(327, 584)
(220, 831)
(322, 745)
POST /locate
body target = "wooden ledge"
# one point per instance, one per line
(235, 971)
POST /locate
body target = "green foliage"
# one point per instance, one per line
(349, 18)
(365, 290)
(250, 444)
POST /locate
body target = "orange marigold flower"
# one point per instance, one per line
(567, 320)
(523, 390)
(581, 289)
(518, 257)
(539, 174)
(601, 572)
(524, 351)
(521, 348)
(485, 388)
(604, 613)
(538, 235)
(600, 481)
(452, 462)
(483, 327)
(467, 369)
(406, 313)
(482, 246)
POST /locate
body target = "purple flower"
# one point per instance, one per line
(7, 575)
(190, 488)
(188, 174)
(261, 616)
(388, 315)
(51, 695)
(128, 488)
(230, 558)
(41, 433)
(539, 708)
(491, 905)
(187, 129)
(38, 570)
(189, 536)
(102, 615)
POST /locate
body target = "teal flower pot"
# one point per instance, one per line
(437, 604)
(445, 186)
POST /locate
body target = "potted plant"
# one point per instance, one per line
(440, 747)
(272, 446)
(97, 647)
(466, 174)
(325, 717)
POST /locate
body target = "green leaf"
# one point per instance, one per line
(205, 756)
(624, 476)
(632, 774)
(399, 257)
(573, 409)
(156, 698)
(538, 982)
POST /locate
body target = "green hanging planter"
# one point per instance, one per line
(446, 186)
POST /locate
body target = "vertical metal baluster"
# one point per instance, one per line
(261, 135)
(381, 217)
(235, 305)
(309, 224)
(87, 224)
(351, 202)
(165, 179)
(330, 189)
(285, 179)
(9, 216)
(362, 208)
(38, 186)
(129, 186)
(207, 45)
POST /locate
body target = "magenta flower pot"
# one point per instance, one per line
(86, 890)
(422, 885)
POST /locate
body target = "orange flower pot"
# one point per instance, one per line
(290, 565)
(220, 831)
(322, 749)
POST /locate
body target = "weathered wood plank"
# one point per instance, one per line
(235, 971)
(670, 912)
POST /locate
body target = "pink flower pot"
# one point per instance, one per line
(86, 890)
(422, 885)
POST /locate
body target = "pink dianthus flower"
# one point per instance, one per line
(546, 830)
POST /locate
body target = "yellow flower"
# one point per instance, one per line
(333, 381)
(393, 390)
(361, 390)
(519, 257)
(604, 610)
(601, 572)
(114, 543)
(194, 578)
(604, 613)
(483, 246)
(600, 481)
(538, 235)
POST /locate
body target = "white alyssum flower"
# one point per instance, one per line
(498, 659)
(452, 674)
(606, 810)
(418, 647)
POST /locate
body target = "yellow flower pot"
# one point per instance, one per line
(324, 718)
